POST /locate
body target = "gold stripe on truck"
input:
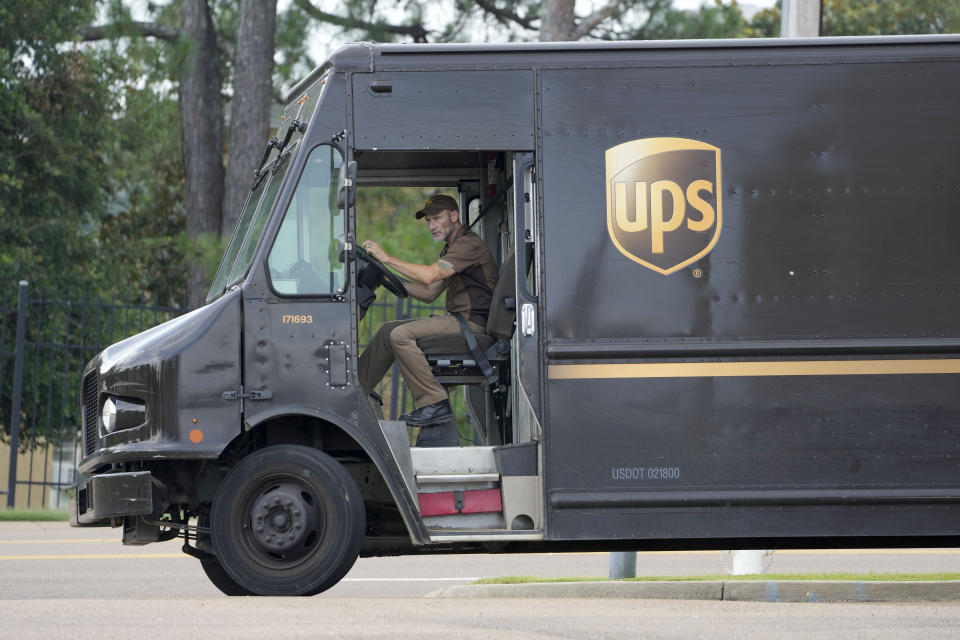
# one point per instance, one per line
(746, 369)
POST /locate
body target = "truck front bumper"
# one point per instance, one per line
(111, 495)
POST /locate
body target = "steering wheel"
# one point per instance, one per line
(373, 273)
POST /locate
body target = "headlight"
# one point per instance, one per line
(109, 415)
(122, 413)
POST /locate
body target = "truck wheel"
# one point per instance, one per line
(287, 521)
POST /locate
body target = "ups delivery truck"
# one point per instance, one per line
(728, 315)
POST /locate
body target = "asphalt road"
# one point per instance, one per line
(84, 583)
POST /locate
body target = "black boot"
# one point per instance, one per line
(428, 415)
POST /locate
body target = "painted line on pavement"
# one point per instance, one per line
(98, 540)
(701, 552)
(100, 556)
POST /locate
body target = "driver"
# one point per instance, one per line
(467, 272)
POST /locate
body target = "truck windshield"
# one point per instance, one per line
(239, 253)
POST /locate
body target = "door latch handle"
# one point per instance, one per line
(528, 319)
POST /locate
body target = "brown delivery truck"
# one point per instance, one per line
(727, 316)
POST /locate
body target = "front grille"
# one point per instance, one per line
(90, 411)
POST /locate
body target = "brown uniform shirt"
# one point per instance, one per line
(470, 291)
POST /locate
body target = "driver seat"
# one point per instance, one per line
(448, 354)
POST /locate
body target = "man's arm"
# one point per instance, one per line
(424, 292)
(425, 274)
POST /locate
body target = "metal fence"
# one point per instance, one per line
(45, 342)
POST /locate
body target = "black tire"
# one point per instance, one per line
(222, 580)
(214, 570)
(288, 520)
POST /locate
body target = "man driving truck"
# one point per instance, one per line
(465, 269)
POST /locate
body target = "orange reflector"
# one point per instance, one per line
(196, 436)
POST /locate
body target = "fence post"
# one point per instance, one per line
(17, 392)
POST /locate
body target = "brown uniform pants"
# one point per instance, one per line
(397, 340)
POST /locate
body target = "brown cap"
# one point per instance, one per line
(436, 204)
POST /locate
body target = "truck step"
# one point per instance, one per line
(494, 535)
(448, 478)
(452, 460)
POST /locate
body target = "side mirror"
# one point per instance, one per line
(347, 184)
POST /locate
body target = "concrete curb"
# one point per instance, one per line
(737, 590)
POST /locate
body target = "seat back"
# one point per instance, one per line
(500, 321)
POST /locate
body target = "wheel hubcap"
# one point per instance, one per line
(283, 519)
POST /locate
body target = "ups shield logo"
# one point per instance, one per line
(663, 201)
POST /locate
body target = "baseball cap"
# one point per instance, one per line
(436, 204)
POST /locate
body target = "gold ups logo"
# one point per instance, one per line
(663, 201)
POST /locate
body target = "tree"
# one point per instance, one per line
(889, 17)
(200, 52)
(53, 116)
(201, 130)
(250, 104)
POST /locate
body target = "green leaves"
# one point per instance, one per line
(889, 17)
(53, 111)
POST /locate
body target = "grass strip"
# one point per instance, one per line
(766, 577)
(33, 515)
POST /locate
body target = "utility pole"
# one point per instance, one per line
(800, 18)
(623, 564)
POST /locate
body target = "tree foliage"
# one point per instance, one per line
(888, 17)
(53, 118)
(871, 18)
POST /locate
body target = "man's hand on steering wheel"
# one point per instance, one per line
(372, 253)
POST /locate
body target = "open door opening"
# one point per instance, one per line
(479, 475)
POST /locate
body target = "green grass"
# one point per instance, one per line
(854, 577)
(33, 515)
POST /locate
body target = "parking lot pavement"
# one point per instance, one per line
(51, 560)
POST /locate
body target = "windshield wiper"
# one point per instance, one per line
(296, 125)
(271, 144)
(274, 143)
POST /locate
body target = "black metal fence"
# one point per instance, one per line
(45, 342)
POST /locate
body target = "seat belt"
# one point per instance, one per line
(478, 355)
